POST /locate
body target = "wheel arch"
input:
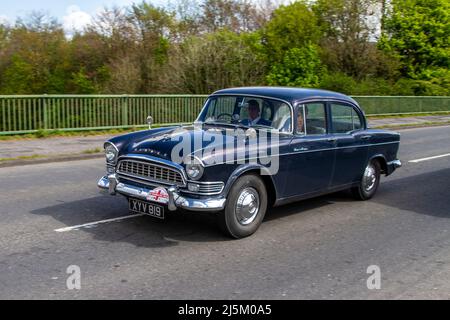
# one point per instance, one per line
(257, 170)
(381, 160)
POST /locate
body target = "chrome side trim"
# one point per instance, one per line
(309, 151)
(175, 199)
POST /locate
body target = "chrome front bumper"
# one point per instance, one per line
(113, 186)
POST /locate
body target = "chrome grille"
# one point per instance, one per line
(211, 188)
(150, 172)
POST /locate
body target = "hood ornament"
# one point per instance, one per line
(149, 121)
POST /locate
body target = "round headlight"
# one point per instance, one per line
(194, 168)
(110, 153)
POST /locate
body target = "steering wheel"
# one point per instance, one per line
(224, 114)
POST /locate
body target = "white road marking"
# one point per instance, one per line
(430, 158)
(92, 224)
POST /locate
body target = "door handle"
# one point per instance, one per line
(332, 139)
(301, 149)
(367, 137)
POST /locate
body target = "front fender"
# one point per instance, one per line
(245, 168)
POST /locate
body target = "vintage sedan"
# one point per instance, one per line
(249, 150)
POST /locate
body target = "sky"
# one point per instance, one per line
(73, 14)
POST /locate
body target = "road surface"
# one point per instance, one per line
(315, 249)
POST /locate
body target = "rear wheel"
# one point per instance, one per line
(246, 207)
(369, 182)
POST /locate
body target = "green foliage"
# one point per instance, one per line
(417, 32)
(82, 83)
(301, 67)
(338, 82)
(17, 76)
(291, 26)
(201, 46)
(348, 32)
(379, 86)
(217, 60)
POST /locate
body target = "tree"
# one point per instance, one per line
(154, 27)
(112, 26)
(218, 60)
(349, 31)
(235, 15)
(301, 67)
(417, 32)
(202, 45)
(291, 26)
(82, 83)
(36, 57)
(4, 43)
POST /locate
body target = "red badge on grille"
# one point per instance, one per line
(159, 195)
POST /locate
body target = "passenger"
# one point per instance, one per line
(309, 128)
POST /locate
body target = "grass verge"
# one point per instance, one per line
(413, 125)
(408, 115)
(96, 151)
(43, 134)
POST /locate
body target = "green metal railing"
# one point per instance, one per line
(24, 114)
(31, 113)
(415, 104)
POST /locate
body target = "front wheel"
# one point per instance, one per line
(369, 183)
(246, 207)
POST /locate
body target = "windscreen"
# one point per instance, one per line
(248, 111)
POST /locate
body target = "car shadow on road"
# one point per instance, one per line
(140, 231)
(151, 232)
(427, 193)
(306, 206)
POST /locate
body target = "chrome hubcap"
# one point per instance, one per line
(247, 206)
(370, 178)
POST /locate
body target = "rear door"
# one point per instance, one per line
(311, 152)
(350, 141)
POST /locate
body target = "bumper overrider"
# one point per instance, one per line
(112, 185)
(392, 166)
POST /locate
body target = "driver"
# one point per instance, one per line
(254, 113)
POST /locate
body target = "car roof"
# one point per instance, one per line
(288, 94)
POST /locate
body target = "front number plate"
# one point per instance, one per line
(142, 207)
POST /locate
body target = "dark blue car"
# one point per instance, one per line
(251, 149)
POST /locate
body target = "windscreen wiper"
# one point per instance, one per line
(226, 124)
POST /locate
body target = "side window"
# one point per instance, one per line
(301, 120)
(344, 118)
(357, 125)
(315, 122)
(282, 118)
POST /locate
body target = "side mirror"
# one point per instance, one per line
(149, 121)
